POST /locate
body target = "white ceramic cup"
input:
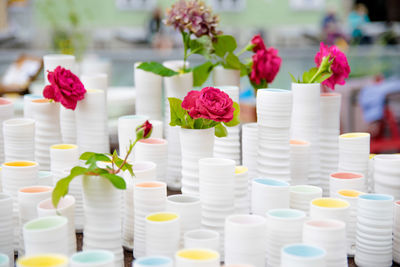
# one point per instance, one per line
(330, 208)
(51, 260)
(197, 258)
(346, 180)
(301, 255)
(269, 194)
(202, 238)
(92, 258)
(153, 261)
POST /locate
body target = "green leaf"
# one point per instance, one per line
(201, 73)
(177, 112)
(86, 155)
(62, 186)
(157, 68)
(198, 123)
(233, 62)
(262, 84)
(244, 70)
(94, 158)
(224, 44)
(323, 76)
(117, 181)
(201, 46)
(220, 130)
(236, 116)
(293, 78)
(308, 75)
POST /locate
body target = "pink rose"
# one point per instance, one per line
(65, 87)
(210, 103)
(340, 67)
(266, 65)
(258, 43)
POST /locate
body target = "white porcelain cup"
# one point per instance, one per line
(189, 210)
(197, 258)
(202, 238)
(153, 261)
(330, 208)
(51, 260)
(302, 195)
(346, 180)
(4, 260)
(301, 255)
(269, 194)
(92, 258)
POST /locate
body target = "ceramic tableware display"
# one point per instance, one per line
(386, 175)
(127, 131)
(302, 195)
(374, 230)
(299, 161)
(156, 150)
(249, 147)
(329, 131)
(269, 194)
(197, 258)
(19, 139)
(162, 234)
(346, 180)
(202, 238)
(330, 208)
(396, 232)
(228, 147)
(149, 197)
(47, 129)
(51, 260)
(92, 258)
(301, 255)
(7, 227)
(245, 239)
(226, 77)
(153, 261)
(65, 208)
(242, 199)
(329, 235)
(305, 123)
(274, 109)
(46, 235)
(284, 227)
(148, 93)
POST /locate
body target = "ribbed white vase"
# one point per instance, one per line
(155, 150)
(299, 161)
(242, 196)
(47, 131)
(67, 125)
(249, 147)
(301, 255)
(302, 195)
(195, 145)
(27, 104)
(228, 147)
(6, 112)
(19, 139)
(127, 133)
(148, 93)
(370, 178)
(158, 129)
(329, 132)
(396, 232)
(273, 119)
(102, 202)
(386, 175)
(226, 77)
(306, 123)
(7, 227)
(176, 86)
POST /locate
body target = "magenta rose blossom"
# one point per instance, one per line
(210, 103)
(65, 87)
(144, 130)
(340, 67)
(258, 43)
(266, 65)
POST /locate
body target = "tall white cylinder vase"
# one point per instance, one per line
(195, 145)
(228, 147)
(329, 235)
(306, 123)
(52, 61)
(396, 232)
(156, 150)
(346, 180)
(284, 227)
(148, 93)
(7, 227)
(91, 123)
(301, 255)
(27, 104)
(226, 77)
(386, 175)
(329, 132)
(15, 175)
(197, 258)
(242, 196)
(102, 230)
(374, 230)
(299, 161)
(249, 147)
(158, 129)
(68, 125)
(370, 177)
(65, 208)
(6, 112)
(19, 139)
(127, 132)
(302, 195)
(47, 131)
(176, 86)
(245, 239)
(273, 119)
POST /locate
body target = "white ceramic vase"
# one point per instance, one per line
(302, 195)
(155, 150)
(158, 129)
(6, 112)
(127, 133)
(68, 125)
(202, 238)
(273, 119)
(92, 258)
(52, 61)
(301, 255)
(45, 178)
(53, 260)
(330, 208)
(47, 129)
(63, 157)
(27, 104)
(242, 199)
(249, 147)
(4, 260)
(155, 261)
(346, 180)
(370, 177)
(305, 123)
(19, 139)
(396, 232)
(226, 77)
(7, 227)
(197, 258)
(299, 161)
(386, 175)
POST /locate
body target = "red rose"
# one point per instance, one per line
(144, 130)
(65, 87)
(266, 65)
(258, 43)
(210, 103)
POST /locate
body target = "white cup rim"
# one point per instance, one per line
(186, 199)
(18, 122)
(212, 235)
(325, 224)
(321, 252)
(246, 220)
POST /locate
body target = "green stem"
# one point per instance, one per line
(185, 55)
(126, 157)
(249, 47)
(315, 75)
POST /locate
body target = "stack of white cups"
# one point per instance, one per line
(374, 230)
(302, 195)
(299, 161)
(346, 180)
(329, 235)
(386, 175)
(216, 193)
(65, 208)
(7, 227)
(274, 109)
(148, 93)
(149, 197)
(301, 255)
(245, 239)
(284, 227)
(127, 133)
(155, 150)
(19, 139)
(229, 147)
(242, 200)
(249, 147)
(91, 123)
(6, 112)
(162, 234)
(329, 131)
(396, 232)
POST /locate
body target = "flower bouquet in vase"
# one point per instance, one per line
(331, 68)
(201, 115)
